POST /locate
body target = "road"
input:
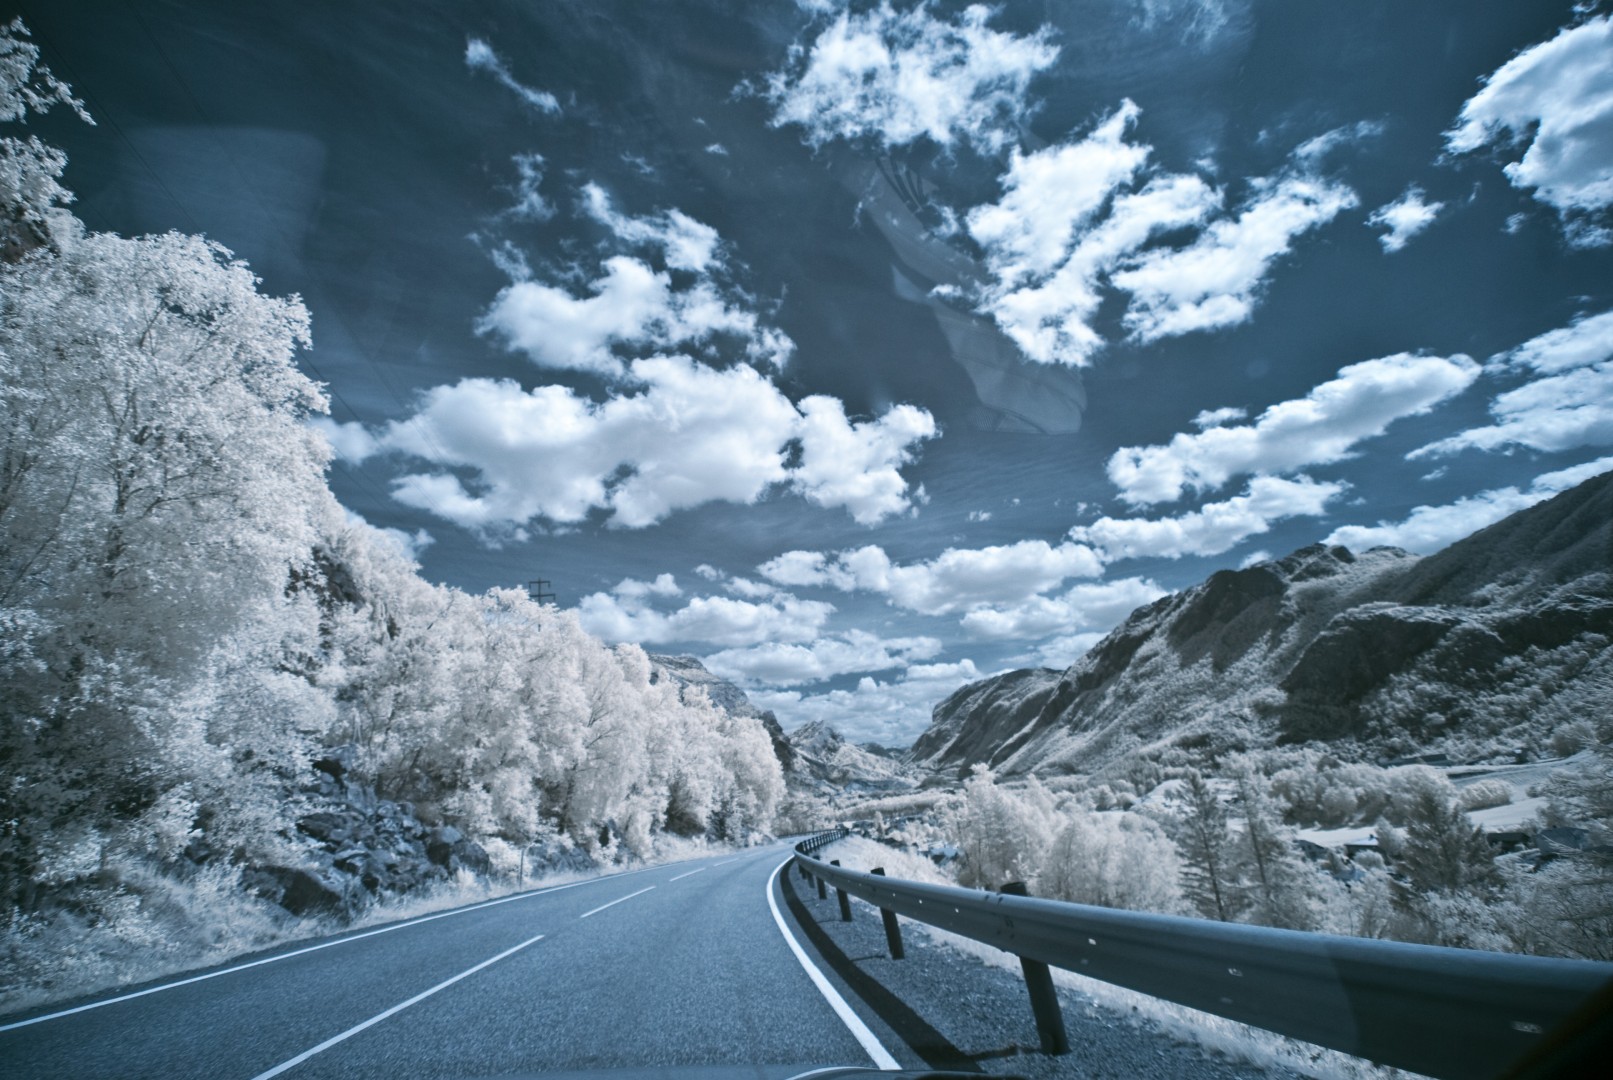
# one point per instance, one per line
(683, 964)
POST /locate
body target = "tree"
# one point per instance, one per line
(159, 489)
(1443, 851)
(1566, 905)
(1116, 859)
(1282, 889)
(1001, 833)
(34, 202)
(186, 614)
(1207, 859)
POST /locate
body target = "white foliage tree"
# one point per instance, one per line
(1002, 833)
(31, 194)
(1282, 889)
(186, 614)
(158, 486)
(1209, 871)
(1113, 859)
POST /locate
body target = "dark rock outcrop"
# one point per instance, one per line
(358, 848)
(303, 891)
(975, 722)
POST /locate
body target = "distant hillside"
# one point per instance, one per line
(830, 762)
(1477, 651)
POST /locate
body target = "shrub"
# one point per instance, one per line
(1484, 794)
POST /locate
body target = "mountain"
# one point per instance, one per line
(828, 761)
(815, 758)
(1478, 651)
(688, 672)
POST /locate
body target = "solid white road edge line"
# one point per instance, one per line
(322, 945)
(378, 1017)
(691, 873)
(614, 902)
(859, 1030)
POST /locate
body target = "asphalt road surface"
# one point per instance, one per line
(722, 968)
(682, 964)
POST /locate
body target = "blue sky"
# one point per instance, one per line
(866, 351)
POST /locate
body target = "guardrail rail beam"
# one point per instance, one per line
(1456, 1014)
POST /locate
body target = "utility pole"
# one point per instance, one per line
(535, 591)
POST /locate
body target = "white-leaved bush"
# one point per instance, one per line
(1003, 833)
(1113, 859)
(187, 618)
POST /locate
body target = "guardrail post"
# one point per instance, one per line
(822, 892)
(1044, 998)
(845, 901)
(893, 931)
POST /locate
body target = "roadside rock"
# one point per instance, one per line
(303, 891)
(451, 850)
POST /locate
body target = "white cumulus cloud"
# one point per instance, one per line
(633, 589)
(1322, 427)
(1404, 218)
(1089, 608)
(1214, 282)
(1556, 99)
(718, 620)
(1048, 193)
(787, 664)
(1214, 527)
(899, 76)
(351, 440)
(1429, 528)
(673, 430)
(688, 244)
(956, 580)
(631, 306)
(892, 713)
(479, 56)
(1072, 223)
(691, 434)
(856, 465)
(1209, 418)
(1569, 405)
(1062, 651)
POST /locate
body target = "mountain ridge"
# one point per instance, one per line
(1475, 649)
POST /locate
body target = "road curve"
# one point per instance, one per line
(677, 965)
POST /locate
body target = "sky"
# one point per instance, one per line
(865, 350)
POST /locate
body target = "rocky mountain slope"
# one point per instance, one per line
(1478, 651)
(829, 762)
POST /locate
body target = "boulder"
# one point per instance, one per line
(303, 891)
(327, 826)
(450, 849)
(336, 761)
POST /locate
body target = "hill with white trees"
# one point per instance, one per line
(826, 762)
(189, 622)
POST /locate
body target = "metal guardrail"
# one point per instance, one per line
(1449, 1013)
